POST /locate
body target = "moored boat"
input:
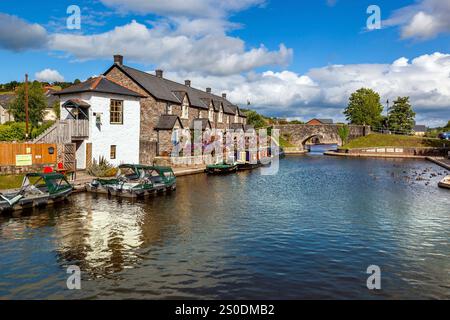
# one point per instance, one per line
(45, 189)
(221, 168)
(445, 183)
(134, 180)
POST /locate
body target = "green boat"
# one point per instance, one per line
(221, 168)
(134, 180)
(45, 189)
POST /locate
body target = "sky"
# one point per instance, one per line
(293, 59)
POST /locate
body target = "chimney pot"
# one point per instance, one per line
(118, 59)
(187, 83)
(159, 73)
(224, 95)
(208, 90)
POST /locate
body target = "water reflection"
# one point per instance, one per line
(308, 232)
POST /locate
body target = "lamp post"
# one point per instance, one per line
(26, 106)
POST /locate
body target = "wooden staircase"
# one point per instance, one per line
(64, 131)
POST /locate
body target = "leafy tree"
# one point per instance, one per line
(57, 109)
(401, 116)
(255, 119)
(77, 81)
(296, 122)
(36, 104)
(12, 132)
(364, 107)
(343, 132)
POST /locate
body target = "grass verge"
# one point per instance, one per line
(388, 140)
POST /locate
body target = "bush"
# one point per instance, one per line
(35, 132)
(12, 132)
(102, 168)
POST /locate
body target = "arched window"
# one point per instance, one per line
(221, 114)
(211, 114)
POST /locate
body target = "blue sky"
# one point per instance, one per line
(295, 59)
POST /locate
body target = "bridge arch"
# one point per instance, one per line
(319, 136)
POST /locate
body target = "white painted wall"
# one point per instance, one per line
(125, 136)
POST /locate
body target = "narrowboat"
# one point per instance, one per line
(445, 183)
(135, 180)
(221, 168)
(45, 189)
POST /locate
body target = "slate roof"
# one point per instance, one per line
(167, 122)
(420, 128)
(77, 103)
(5, 99)
(248, 127)
(237, 126)
(98, 84)
(171, 91)
(205, 123)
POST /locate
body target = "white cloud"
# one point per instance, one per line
(17, 35)
(423, 20)
(211, 54)
(185, 8)
(49, 75)
(324, 92)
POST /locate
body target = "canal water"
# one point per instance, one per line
(310, 231)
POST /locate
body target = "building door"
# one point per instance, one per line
(88, 155)
(69, 159)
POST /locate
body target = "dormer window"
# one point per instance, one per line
(221, 114)
(236, 117)
(169, 109)
(211, 114)
(185, 108)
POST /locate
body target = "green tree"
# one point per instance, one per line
(401, 116)
(364, 107)
(255, 119)
(36, 104)
(343, 132)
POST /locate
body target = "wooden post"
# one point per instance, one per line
(26, 106)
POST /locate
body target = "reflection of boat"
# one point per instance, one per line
(445, 183)
(248, 166)
(134, 180)
(47, 188)
(221, 168)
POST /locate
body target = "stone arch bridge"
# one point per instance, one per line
(300, 134)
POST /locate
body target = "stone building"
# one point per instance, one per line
(146, 130)
(162, 97)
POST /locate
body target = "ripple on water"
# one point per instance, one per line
(310, 231)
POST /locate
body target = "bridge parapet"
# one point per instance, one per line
(299, 134)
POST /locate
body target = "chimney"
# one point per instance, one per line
(159, 73)
(187, 83)
(224, 95)
(118, 59)
(208, 90)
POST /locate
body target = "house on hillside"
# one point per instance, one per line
(5, 115)
(316, 122)
(419, 130)
(130, 114)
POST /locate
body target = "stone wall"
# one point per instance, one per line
(299, 134)
(13, 170)
(425, 152)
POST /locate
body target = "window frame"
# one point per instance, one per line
(185, 109)
(115, 112)
(113, 152)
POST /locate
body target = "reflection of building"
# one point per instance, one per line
(130, 114)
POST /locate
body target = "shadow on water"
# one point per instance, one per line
(309, 231)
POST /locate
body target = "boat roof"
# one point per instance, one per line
(141, 166)
(52, 175)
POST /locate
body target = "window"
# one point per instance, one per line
(112, 152)
(221, 114)
(228, 119)
(236, 117)
(116, 112)
(169, 108)
(211, 115)
(185, 109)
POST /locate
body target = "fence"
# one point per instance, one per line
(27, 154)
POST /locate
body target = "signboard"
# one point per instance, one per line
(24, 160)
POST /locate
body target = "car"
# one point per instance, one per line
(444, 135)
